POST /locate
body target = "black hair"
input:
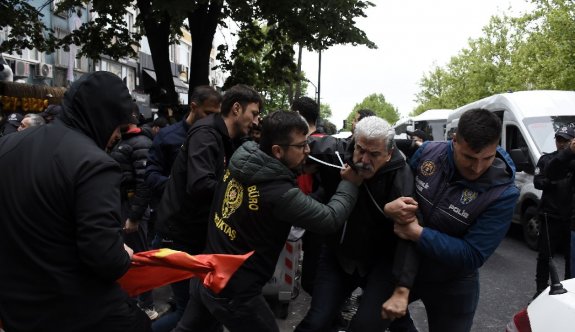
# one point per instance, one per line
(307, 108)
(241, 94)
(479, 128)
(277, 127)
(364, 113)
(160, 122)
(203, 93)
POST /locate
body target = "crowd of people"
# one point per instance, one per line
(94, 185)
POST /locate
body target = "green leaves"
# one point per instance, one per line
(533, 51)
(377, 103)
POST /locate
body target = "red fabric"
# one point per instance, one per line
(156, 268)
(305, 181)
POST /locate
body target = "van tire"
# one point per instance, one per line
(530, 225)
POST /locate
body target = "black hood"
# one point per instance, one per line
(96, 105)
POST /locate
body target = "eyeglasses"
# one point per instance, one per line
(300, 146)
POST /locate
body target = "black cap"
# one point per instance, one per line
(15, 119)
(566, 132)
(419, 133)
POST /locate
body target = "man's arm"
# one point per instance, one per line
(540, 181)
(97, 213)
(141, 199)
(156, 167)
(481, 240)
(559, 166)
(300, 210)
(203, 163)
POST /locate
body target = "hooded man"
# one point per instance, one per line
(60, 239)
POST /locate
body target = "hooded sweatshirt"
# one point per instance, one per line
(61, 249)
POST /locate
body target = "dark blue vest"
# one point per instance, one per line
(450, 207)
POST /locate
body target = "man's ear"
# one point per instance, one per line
(236, 108)
(277, 151)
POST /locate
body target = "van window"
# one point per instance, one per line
(514, 139)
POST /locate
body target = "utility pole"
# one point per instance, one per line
(319, 79)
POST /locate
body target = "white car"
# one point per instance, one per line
(548, 313)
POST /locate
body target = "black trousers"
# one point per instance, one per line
(553, 233)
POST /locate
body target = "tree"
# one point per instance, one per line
(377, 103)
(532, 51)
(311, 23)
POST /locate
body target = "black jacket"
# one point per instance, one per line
(185, 205)
(556, 197)
(254, 209)
(132, 154)
(561, 168)
(61, 249)
(368, 236)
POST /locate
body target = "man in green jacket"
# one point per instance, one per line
(254, 208)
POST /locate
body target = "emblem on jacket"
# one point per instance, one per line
(233, 198)
(468, 196)
(427, 168)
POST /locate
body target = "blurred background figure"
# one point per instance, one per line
(50, 113)
(31, 120)
(12, 123)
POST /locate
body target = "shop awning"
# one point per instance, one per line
(181, 87)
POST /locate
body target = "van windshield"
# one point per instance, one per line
(542, 130)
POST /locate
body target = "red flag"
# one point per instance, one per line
(156, 268)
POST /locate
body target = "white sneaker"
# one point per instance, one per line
(151, 312)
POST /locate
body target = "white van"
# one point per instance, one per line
(530, 119)
(432, 122)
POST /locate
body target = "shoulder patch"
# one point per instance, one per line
(427, 168)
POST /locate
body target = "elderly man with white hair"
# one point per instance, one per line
(366, 253)
(31, 120)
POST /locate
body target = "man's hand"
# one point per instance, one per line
(401, 210)
(396, 305)
(411, 231)
(131, 226)
(349, 174)
(129, 251)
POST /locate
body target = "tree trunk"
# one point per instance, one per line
(203, 23)
(298, 82)
(158, 34)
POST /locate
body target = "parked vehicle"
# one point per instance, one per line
(432, 122)
(530, 120)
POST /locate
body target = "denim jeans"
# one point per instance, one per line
(333, 286)
(451, 304)
(207, 312)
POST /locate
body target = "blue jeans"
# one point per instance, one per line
(451, 304)
(207, 312)
(333, 286)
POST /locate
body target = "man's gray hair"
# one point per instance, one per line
(35, 119)
(373, 127)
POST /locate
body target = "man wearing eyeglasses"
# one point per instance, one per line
(254, 209)
(554, 210)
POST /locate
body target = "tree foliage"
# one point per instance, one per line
(377, 103)
(532, 51)
(312, 23)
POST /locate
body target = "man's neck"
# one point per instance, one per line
(230, 125)
(312, 128)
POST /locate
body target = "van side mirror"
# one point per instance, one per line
(521, 160)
